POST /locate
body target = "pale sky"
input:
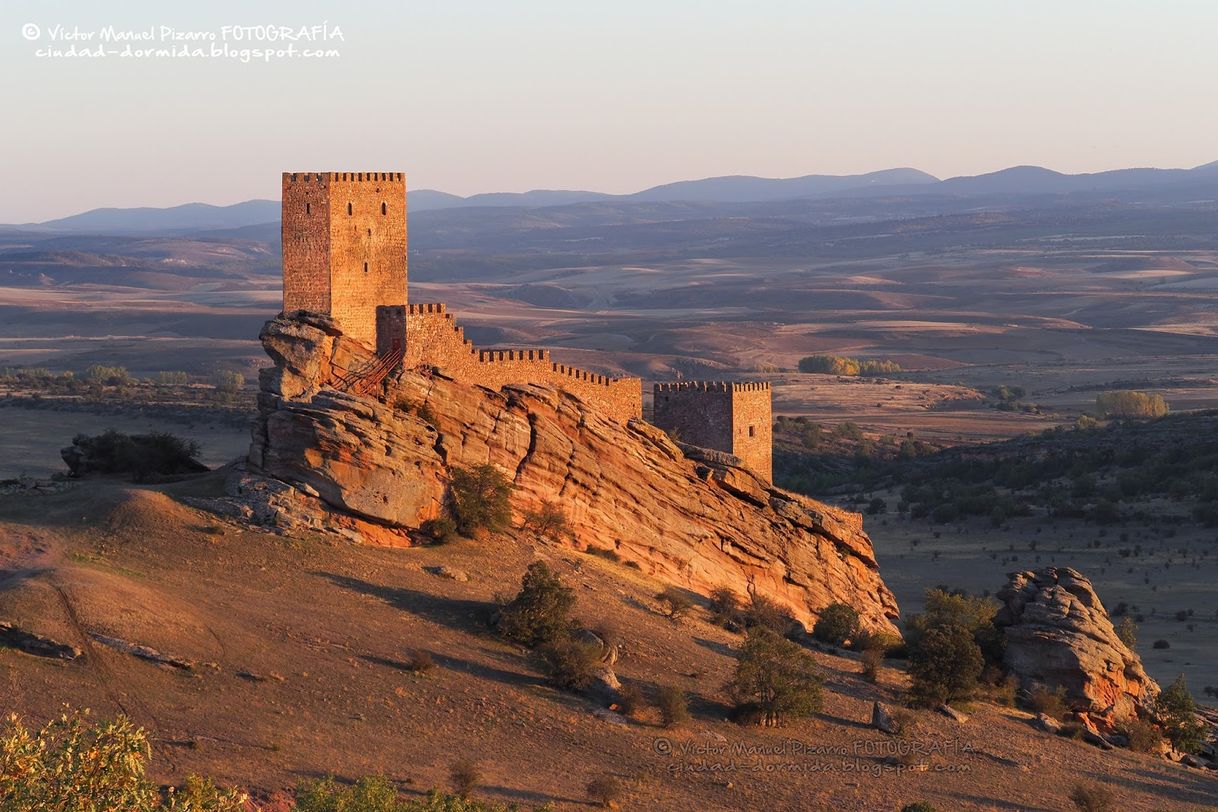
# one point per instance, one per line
(507, 95)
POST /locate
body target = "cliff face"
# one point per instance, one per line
(379, 467)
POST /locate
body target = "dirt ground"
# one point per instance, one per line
(300, 647)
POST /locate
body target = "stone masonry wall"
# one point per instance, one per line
(434, 339)
(305, 232)
(734, 417)
(753, 427)
(367, 248)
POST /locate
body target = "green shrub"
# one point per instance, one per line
(775, 677)
(674, 602)
(1176, 711)
(440, 530)
(836, 624)
(1051, 703)
(870, 662)
(974, 613)
(1143, 735)
(766, 614)
(378, 795)
(100, 375)
(607, 553)
(840, 365)
(481, 499)
(140, 455)
(1127, 403)
(569, 663)
(606, 791)
(227, 383)
(1092, 798)
(548, 522)
(541, 611)
(944, 665)
(724, 606)
(1127, 631)
(72, 764)
(673, 705)
(464, 777)
(420, 661)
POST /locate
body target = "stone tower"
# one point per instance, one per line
(344, 247)
(727, 416)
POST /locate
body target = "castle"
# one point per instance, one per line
(344, 255)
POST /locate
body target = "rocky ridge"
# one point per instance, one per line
(376, 468)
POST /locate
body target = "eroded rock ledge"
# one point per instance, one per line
(379, 467)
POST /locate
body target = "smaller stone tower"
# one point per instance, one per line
(735, 417)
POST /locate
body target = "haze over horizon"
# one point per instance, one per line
(477, 96)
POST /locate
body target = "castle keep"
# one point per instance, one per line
(344, 255)
(729, 416)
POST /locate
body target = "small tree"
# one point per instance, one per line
(837, 623)
(674, 707)
(776, 677)
(481, 499)
(1177, 712)
(675, 602)
(571, 664)
(724, 605)
(1092, 798)
(548, 523)
(944, 665)
(227, 383)
(464, 777)
(606, 791)
(1127, 630)
(541, 611)
(765, 613)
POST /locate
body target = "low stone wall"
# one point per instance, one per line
(434, 339)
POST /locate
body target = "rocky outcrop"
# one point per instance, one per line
(381, 464)
(1059, 634)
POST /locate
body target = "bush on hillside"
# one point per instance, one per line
(1176, 711)
(548, 522)
(837, 623)
(541, 611)
(481, 499)
(774, 678)
(945, 665)
(674, 602)
(142, 456)
(72, 763)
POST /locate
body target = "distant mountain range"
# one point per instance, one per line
(1198, 183)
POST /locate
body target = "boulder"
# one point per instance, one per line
(1047, 723)
(881, 719)
(684, 516)
(1058, 634)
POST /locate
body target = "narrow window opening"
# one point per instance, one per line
(365, 267)
(348, 208)
(369, 232)
(384, 209)
(308, 208)
(752, 431)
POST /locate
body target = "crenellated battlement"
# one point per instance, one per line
(712, 386)
(433, 338)
(344, 177)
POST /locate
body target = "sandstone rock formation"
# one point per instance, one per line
(1059, 634)
(377, 467)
